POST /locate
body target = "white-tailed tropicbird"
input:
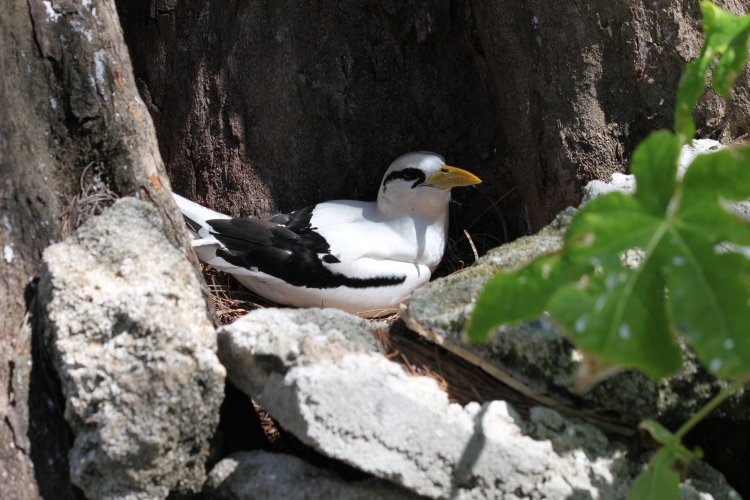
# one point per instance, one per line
(362, 257)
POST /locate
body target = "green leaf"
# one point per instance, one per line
(654, 163)
(709, 300)
(620, 316)
(710, 292)
(612, 223)
(726, 35)
(659, 482)
(662, 478)
(710, 180)
(530, 287)
(657, 431)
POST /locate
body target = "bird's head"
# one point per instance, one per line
(420, 183)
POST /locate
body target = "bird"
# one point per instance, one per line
(363, 257)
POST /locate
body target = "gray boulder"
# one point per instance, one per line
(259, 475)
(321, 377)
(127, 329)
(335, 393)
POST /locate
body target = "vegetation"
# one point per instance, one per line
(636, 271)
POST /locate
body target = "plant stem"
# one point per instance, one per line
(711, 405)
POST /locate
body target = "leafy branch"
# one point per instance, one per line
(636, 271)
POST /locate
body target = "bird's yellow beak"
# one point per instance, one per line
(450, 177)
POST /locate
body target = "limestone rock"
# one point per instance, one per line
(701, 479)
(620, 183)
(316, 372)
(127, 330)
(446, 304)
(262, 475)
(272, 341)
(354, 405)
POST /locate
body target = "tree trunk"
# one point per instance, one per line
(273, 105)
(69, 109)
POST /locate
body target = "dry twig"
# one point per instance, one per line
(93, 198)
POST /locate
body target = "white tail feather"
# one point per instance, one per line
(199, 215)
(195, 212)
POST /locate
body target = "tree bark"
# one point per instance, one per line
(68, 104)
(274, 105)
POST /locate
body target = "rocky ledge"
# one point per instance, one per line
(142, 371)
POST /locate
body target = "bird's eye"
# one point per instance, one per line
(411, 174)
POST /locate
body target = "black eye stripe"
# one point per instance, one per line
(407, 174)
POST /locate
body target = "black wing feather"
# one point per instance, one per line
(242, 233)
(287, 247)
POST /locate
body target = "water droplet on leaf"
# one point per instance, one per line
(546, 269)
(716, 364)
(611, 281)
(600, 303)
(581, 323)
(624, 331)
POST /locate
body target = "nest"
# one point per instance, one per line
(231, 300)
(463, 381)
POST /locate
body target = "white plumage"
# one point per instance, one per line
(362, 257)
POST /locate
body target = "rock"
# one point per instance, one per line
(336, 393)
(285, 336)
(445, 305)
(701, 479)
(323, 385)
(620, 183)
(262, 475)
(127, 329)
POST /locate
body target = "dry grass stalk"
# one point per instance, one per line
(270, 428)
(231, 300)
(94, 196)
(463, 381)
